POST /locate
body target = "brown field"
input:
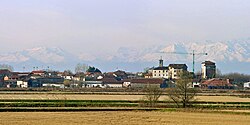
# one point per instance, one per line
(121, 118)
(113, 97)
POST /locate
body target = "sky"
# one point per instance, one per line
(81, 26)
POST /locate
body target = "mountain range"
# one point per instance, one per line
(230, 56)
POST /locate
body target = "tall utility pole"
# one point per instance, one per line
(192, 53)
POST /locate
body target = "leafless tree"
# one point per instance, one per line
(183, 93)
(81, 68)
(153, 93)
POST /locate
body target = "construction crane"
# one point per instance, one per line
(193, 54)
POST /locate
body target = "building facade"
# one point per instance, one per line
(208, 70)
(161, 71)
(175, 69)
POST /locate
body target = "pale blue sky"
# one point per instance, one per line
(78, 25)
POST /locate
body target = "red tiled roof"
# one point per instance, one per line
(38, 71)
(217, 82)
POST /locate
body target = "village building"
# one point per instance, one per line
(160, 71)
(208, 70)
(112, 82)
(217, 83)
(175, 69)
(246, 85)
(143, 82)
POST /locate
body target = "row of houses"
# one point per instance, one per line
(162, 76)
(91, 78)
(29, 79)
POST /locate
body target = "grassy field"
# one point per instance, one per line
(121, 118)
(230, 116)
(112, 97)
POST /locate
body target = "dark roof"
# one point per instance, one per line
(208, 63)
(120, 73)
(161, 68)
(145, 81)
(178, 66)
(111, 81)
(21, 73)
(4, 71)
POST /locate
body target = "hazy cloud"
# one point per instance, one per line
(100, 27)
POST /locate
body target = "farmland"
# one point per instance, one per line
(60, 96)
(121, 118)
(62, 108)
(67, 101)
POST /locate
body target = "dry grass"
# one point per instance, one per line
(222, 99)
(70, 97)
(113, 97)
(121, 118)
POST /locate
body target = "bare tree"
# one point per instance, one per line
(81, 68)
(153, 93)
(183, 93)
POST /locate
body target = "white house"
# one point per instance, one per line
(68, 77)
(174, 69)
(247, 85)
(22, 84)
(53, 85)
(161, 71)
(114, 85)
(93, 84)
(112, 82)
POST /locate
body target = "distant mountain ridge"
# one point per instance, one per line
(42, 57)
(228, 55)
(217, 51)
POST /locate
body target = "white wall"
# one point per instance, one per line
(115, 85)
(160, 74)
(247, 85)
(22, 84)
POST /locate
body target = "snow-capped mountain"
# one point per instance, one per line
(230, 56)
(41, 57)
(238, 51)
(41, 54)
